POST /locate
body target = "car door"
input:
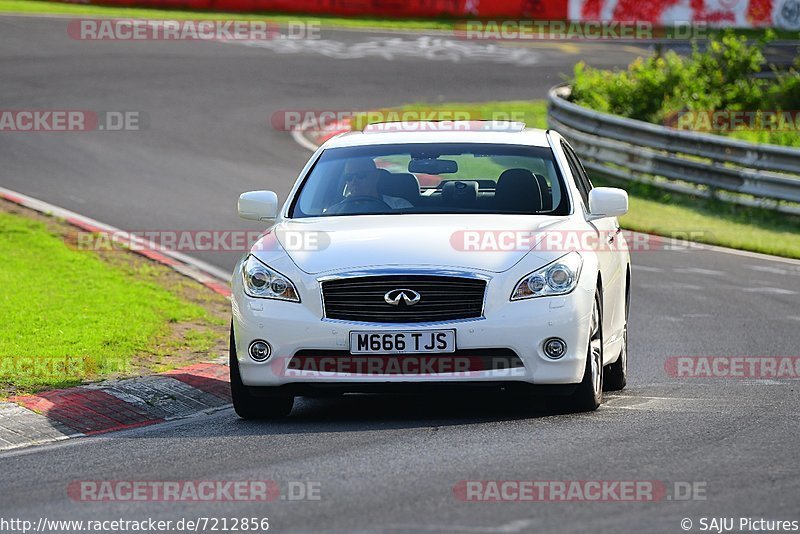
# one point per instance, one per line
(608, 254)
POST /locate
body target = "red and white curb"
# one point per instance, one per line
(117, 405)
(106, 407)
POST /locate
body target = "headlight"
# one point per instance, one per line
(262, 282)
(557, 278)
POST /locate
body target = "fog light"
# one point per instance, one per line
(260, 350)
(555, 348)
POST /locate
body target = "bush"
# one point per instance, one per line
(720, 78)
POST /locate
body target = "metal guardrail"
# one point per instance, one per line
(634, 150)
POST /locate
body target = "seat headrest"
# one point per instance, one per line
(518, 190)
(460, 192)
(402, 185)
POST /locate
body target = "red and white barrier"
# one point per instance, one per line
(783, 14)
(738, 13)
(540, 9)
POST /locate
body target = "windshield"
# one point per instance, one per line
(432, 178)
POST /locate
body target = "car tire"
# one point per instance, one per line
(265, 406)
(589, 394)
(615, 376)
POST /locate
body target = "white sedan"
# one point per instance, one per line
(473, 256)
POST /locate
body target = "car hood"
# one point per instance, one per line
(474, 242)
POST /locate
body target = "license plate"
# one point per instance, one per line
(403, 342)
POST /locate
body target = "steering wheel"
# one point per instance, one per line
(362, 203)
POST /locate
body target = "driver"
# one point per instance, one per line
(362, 177)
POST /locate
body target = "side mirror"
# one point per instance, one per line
(607, 202)
(258, 205)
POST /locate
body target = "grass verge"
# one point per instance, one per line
(652, 210)
(709, 221)
(72, 316)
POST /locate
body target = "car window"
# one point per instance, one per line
(584, 174)
(578, 172)
(432, 178)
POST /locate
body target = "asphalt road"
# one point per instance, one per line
(388, 464)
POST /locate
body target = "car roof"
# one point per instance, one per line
(410, 134)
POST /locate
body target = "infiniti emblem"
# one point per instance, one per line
(408, 296)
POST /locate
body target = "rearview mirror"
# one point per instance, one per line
(432, 166)
(258, 205)
(607, 202)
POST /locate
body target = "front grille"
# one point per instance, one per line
(442, 298)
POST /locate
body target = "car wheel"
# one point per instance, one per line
(589, 393)
(247, 406)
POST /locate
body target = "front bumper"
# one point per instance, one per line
(521, 326)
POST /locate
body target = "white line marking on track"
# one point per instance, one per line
(770, 290)
(698, 270)
(391, 48)
(675, 285)
(647, 269)
(775, 270)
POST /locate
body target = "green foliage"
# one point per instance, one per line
(720, 78)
